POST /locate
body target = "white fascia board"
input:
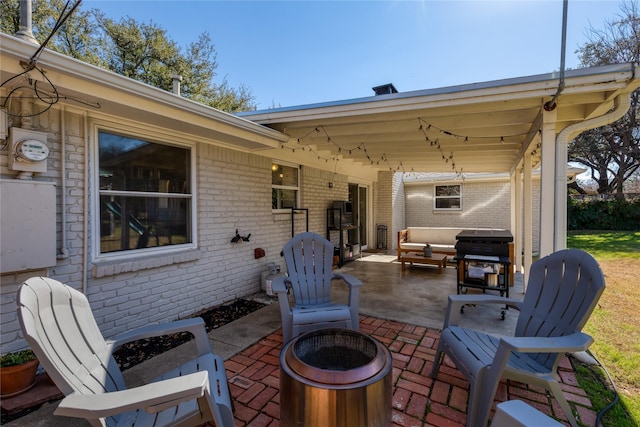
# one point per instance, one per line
(75, 69)
(611, 77)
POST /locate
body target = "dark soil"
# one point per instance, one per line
(133, 353)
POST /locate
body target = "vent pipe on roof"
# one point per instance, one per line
(25, 31)
(176, 83)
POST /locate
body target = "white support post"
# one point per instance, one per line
(560, 233)
(547, 183)
(517, 218)
(528, 217)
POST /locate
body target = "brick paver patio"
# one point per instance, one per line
(417, 399)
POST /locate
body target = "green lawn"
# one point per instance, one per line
(615, 324)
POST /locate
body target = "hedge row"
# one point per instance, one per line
(596, 214)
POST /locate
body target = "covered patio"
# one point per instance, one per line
(513, 126)
(402, 309)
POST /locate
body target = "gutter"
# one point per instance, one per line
(610, 77)
(621, 104)
(86, 72)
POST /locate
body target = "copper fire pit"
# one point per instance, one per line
(335, 378)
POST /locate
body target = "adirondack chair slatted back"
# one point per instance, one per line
(61, 330)
(309, 258)
(563, 289)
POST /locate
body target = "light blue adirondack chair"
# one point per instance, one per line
(58, 324)
(309, 259)
(563, 290)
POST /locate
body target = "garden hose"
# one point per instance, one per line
(615, 390)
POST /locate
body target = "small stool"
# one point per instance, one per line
(516, 413)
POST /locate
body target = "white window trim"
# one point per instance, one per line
(288, 187)
(435, 198)
(160, 137)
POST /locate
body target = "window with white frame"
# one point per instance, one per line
(285, 186)
(145, 193)
(448, 197)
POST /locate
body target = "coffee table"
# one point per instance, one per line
(439, 260)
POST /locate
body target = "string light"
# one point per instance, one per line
(466, 138)
(424, 126)
(436, 143)
(342, 150)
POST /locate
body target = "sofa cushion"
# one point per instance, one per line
(433, 235)
(417, 247)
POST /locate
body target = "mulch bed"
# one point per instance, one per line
(133, 353)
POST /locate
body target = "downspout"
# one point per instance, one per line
(85, 225)
(621, 105)
(64, 251)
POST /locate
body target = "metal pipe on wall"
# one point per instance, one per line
(85, 222)
(64, 251)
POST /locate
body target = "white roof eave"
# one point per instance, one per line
(75, 69)
(537, 86)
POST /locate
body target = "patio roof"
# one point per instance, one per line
(480, 127)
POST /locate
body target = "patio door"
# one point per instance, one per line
(358, 194)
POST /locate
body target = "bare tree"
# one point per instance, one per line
(612, 152)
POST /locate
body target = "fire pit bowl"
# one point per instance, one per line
(335, 378)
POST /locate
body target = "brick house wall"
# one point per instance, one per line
(233, 192)
(485, 204)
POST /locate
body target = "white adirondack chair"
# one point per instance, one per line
(58, 324)
(309, 259)
(563, 290)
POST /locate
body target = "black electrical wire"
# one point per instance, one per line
(44, 96)
(61, 20)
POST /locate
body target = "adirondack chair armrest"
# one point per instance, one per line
(153, 397)
(456, 302)
(354, 285)
(578, 341)
(279, 284)
(350, 280)
(194, 326)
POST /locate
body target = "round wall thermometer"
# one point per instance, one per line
(32, 150)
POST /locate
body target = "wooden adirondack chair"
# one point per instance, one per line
(58, 324)
(563, 290)
(309, 260)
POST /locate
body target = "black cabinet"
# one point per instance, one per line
(348, 237)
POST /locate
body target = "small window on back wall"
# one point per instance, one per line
(448, 197)
(285, 186)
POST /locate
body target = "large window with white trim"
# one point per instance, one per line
(145, 193)
(448, 197)
(285, 186)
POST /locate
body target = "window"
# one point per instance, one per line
(448, 197)
(285, 186)
(145, 194)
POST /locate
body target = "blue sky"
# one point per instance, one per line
(292, 53)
